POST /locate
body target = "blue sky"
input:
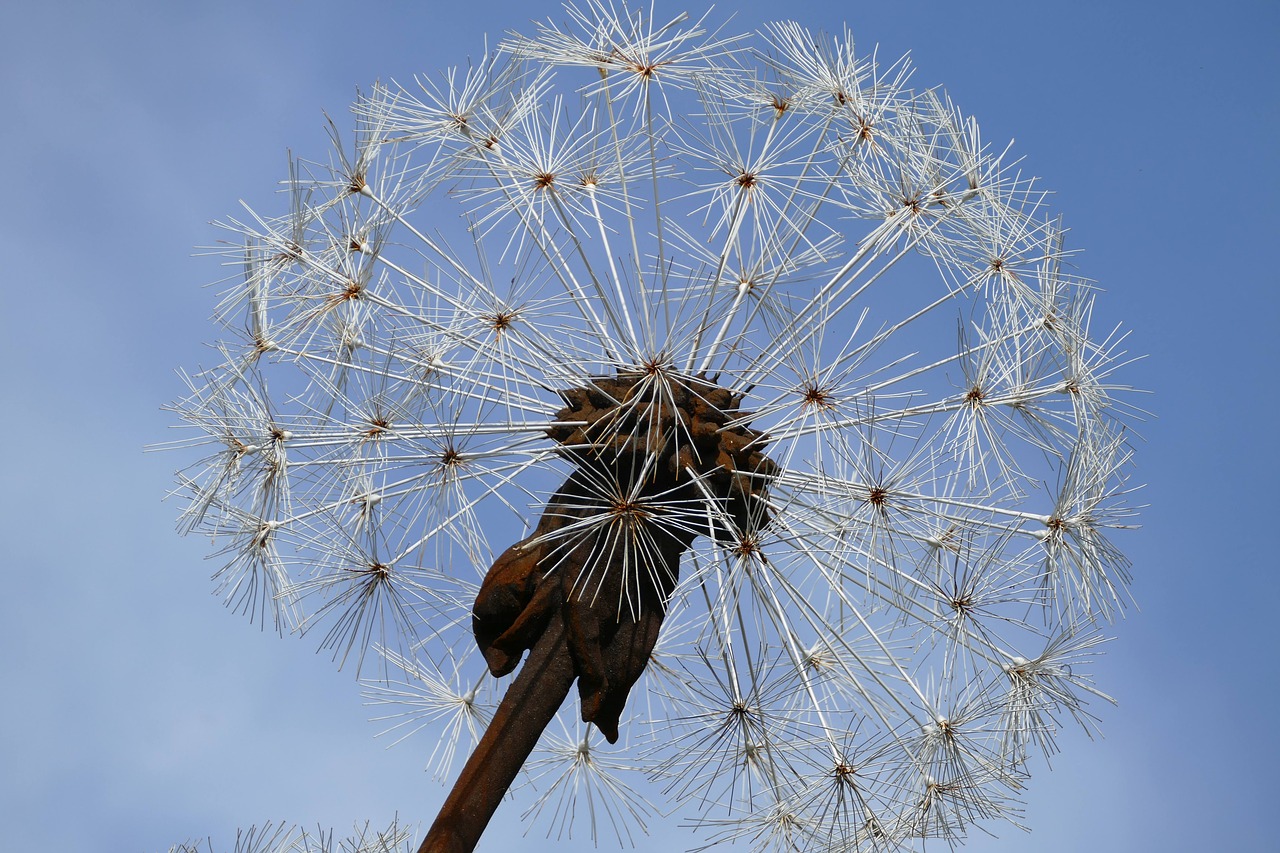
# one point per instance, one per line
(140, 713)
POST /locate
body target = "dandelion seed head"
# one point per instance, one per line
(742, 348)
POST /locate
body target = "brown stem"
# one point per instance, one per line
(528, 706)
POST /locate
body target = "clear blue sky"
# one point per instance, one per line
(138, 713)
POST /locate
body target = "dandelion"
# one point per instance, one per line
(748, 390)
(281, 838)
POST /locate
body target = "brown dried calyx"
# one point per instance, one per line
(652, 449)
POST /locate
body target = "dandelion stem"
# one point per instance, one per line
(527, 707)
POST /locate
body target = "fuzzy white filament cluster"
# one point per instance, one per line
(871, 665)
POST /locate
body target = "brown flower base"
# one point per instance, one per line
(659, 460)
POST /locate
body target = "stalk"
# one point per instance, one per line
(527, 707)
